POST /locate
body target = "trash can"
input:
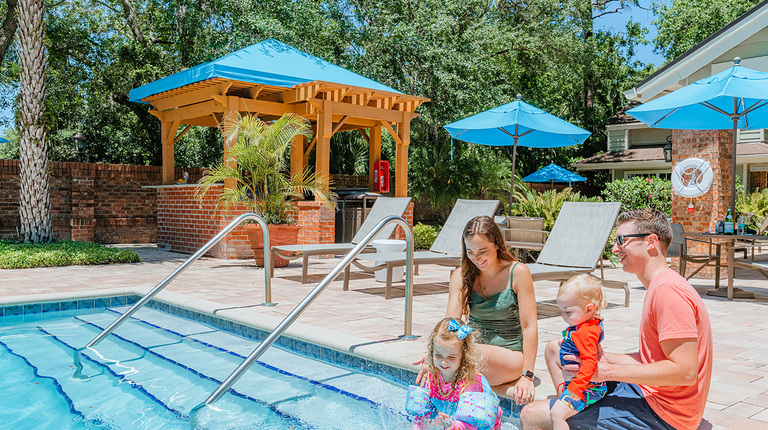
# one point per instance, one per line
(354, 205)
(389, 245)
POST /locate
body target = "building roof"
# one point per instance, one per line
(269, 62)
(701, 54)
(622, 117)
(656, 153)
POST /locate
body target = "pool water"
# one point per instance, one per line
(156, 367)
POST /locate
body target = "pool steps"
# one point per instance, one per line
(208, 356)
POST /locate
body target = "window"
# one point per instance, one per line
(662, 175)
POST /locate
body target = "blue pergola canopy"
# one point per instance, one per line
(269, 62)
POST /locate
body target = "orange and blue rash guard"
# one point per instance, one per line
(582, 341)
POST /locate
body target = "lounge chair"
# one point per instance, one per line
(750, 244)
(576, 243)
(679, 248)
(524, 234)
(760, 266)
(445, 251)
(382, 208)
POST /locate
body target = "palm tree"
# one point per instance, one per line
(34, 201)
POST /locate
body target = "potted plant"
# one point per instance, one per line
(255, 174)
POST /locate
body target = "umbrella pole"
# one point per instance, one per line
(733, 169)
(512, 185)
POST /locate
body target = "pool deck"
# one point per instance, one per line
(362, 322)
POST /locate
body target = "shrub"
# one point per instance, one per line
(545, 205)
(424, 235)
(63, 253)
(638, 192)
(755, 202)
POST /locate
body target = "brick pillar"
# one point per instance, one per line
(318, 223)
(716, 147)
(408, 216)
(82, 221)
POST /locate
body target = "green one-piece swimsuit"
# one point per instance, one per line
(498, 317)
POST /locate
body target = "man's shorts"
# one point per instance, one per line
(624, 407)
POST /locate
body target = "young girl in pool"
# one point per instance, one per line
(455, 396)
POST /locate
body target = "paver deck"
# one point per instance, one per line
(360, 320)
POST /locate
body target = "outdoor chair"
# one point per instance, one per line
(760, 266)
(750, 244)
(445, 251)
(524, 234)
(679, 248)
(576, 243)
(382, 208)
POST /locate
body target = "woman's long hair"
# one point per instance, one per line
(481, 225)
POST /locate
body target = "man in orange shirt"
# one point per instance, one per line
(665, 384)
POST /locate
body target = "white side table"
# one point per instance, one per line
(389, 245)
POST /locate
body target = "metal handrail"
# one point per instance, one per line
(211, 243)
(266, 343)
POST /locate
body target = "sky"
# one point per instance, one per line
(615, 21)
(644, 15)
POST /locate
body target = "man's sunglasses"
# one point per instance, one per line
(621, 240)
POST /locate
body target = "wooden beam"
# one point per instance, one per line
(264, 107)
(191, 97)
(339, 124)
(193, 111)
(392, 132)
(365, 112)
(365, 136)
(186, 129)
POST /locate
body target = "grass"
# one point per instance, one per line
(63, 253)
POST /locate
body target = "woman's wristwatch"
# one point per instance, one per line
(527, 374)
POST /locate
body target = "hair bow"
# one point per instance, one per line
(463, 330)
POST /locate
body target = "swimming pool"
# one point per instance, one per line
(156, 367)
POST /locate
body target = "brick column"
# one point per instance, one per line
(318, 223)
(82, 221)
(408, 216)
(716, 147)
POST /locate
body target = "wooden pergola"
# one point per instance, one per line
(329, 107)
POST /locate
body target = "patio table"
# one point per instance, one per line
(730, 239)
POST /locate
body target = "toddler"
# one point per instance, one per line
(580, 300)
(455, 395)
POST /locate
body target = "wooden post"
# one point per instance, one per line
(323, 145)
(401, 156)
(230, 109)
(374, 153)
(298, 162)
(167, 133)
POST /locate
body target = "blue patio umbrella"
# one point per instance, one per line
(517, 123)
(3, 140)
(734, 98)
(553, 173)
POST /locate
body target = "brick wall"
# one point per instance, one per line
(93, 202)
(716, 147)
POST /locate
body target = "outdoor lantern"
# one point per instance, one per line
(78, 142)
(668, 150)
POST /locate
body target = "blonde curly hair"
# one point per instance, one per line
(589, 290)
(467, 371)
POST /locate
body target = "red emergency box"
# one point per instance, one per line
(381, 176)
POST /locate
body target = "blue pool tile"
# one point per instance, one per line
(117, 301)
(85, 304)
(51, 307)
(68, 305)
(33, 308)
(131, 300)
(102, 302)
(12, 310)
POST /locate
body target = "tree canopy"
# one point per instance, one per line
(465, 55)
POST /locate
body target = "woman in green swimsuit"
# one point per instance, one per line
(494, 292)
